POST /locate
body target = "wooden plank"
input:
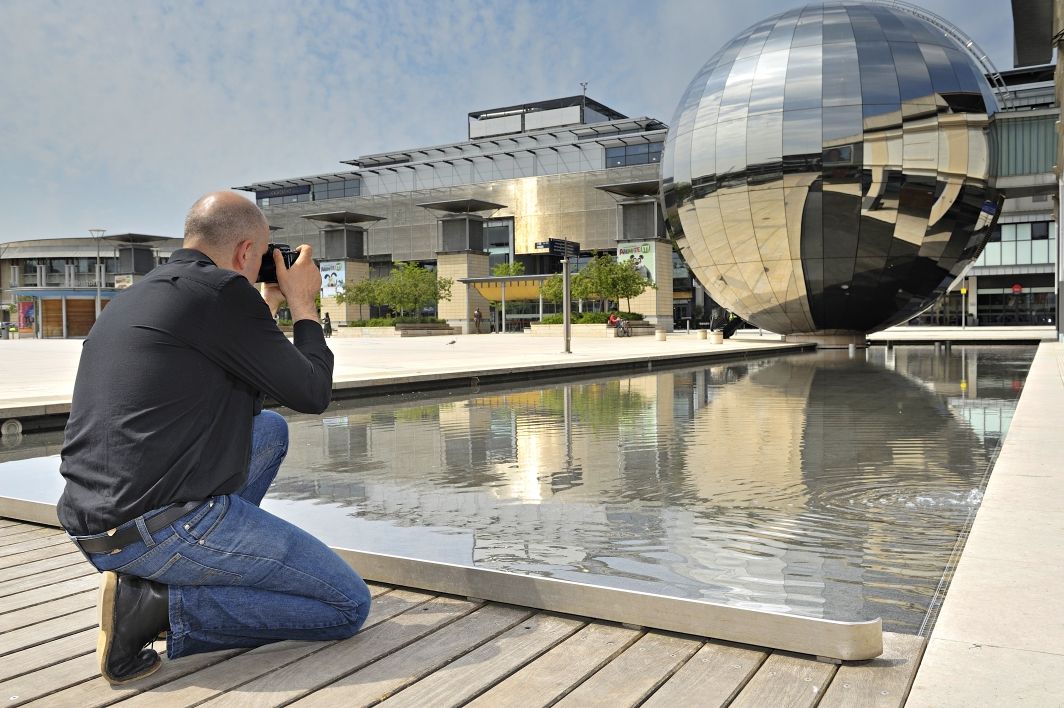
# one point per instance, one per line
(214, 680)
(47, 631)
(47, 681)
(712, 677)
(29, 598)
(786, 681)
(36, 554)
(5, 523)
(28, 568)
(42, 542)
(18, 527)
(336, 661)
(462, 680)
(565, 666)
(42, 655)
(879, 683)
(12, 587)
(27, 534)
(98, 692)
(632, 676)
(390, 674)
(46, 611)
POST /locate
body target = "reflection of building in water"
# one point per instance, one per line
(798, 484)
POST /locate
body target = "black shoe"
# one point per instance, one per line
(133, 612)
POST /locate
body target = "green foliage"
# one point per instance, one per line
(365, 292)
(552, 288)
(603, 278)
(603, 406)
(504, 269)
(408, 288)
(592, 317)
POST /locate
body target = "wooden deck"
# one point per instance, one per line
(417, 649)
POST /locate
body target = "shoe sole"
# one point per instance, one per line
(105, 606)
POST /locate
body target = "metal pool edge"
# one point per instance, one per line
(846, 641)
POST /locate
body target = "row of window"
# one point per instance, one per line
(1021, 244)
(565, 159)
(317, 193)
(1034, 231)
(641, 154)
(58, 265)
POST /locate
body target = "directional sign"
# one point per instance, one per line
(562, 247)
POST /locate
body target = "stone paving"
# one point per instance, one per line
(40, 373)
(999, 640)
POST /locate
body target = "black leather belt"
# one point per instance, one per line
(120, 539)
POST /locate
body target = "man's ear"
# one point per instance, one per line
(242, 254)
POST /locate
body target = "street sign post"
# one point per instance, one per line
(566, 249)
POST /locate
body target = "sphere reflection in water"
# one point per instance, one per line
(828, 170)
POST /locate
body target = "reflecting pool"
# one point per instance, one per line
(814, 483)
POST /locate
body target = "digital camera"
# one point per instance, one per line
(268, 270)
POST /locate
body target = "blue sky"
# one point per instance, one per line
(120, 114)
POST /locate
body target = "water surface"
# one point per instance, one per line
(814, 484)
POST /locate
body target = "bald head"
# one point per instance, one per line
(219, 221)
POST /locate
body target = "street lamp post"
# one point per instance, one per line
(97, 234)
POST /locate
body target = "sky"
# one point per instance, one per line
(119, 115)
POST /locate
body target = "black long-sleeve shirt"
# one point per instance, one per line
(170, 378)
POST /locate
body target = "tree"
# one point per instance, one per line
(505, 269)
(365, 292)
(629, 283)
(409, 287)
(603, 278)
(551, 290)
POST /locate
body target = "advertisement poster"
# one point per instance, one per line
(27, 316)
(332, 277)
(641, 253)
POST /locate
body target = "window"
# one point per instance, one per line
(337, 189)
(638, 154)
(1040, 231)
(995, 234)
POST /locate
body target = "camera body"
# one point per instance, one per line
(268, 270)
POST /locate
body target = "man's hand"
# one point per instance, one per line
(299, 284)
(273, 296)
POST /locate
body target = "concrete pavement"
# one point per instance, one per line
(40, 373)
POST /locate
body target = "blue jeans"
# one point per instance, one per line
(239, 576)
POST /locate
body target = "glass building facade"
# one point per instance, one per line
(829, 169)
(543, 162)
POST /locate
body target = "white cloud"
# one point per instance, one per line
(119, 114)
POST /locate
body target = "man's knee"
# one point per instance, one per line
(272, 428)
(356, 615)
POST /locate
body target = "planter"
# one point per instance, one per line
(400, 330)
(589, 331)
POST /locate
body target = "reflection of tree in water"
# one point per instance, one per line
(599, 406)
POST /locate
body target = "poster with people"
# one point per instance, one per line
(27, 316)
(332, 277)
(642, 254)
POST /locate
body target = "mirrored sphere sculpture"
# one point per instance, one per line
(828, 170)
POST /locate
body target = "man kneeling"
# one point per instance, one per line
(168, 453)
